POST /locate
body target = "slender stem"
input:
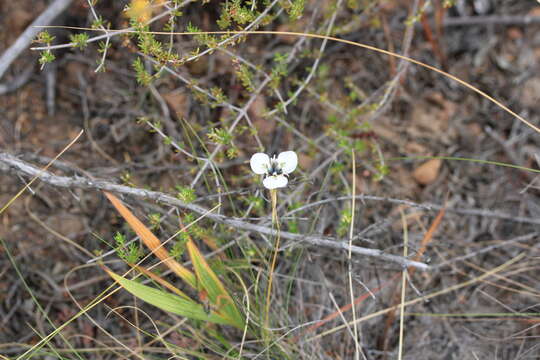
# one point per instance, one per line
(358, 350)
(275, 221)
(403, 279)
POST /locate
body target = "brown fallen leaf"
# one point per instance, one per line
(265, 126)
(296, 26)
(427, 173)
(530, 91)
(535, 11)
(18, 20)
(178, 101)
(305, 161)
(431, 117)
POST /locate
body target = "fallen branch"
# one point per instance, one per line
(491, 20)
(10, 163)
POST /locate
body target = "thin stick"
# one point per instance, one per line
(11, 163)
(499, 20)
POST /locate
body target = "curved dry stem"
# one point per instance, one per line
(325, 37)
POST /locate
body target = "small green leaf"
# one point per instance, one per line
(80, 40)
(185, 193)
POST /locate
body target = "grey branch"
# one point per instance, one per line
(31, 31)
(492, 20)
(10, 163)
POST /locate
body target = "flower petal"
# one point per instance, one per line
(260, 163)
(287, 160)
(275, 181)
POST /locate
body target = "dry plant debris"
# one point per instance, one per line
(170, 123)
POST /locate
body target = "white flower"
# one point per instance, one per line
(275, 169)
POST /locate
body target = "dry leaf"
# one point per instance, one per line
(530, 94)
(514, 33)
(427, 173)
(431, 116)
(265, 126)
(535, 11)
(415, 148)
(406, 182)
(296, 26)
(178, 102)
(18, 20)
(305, 161)
(475, 130)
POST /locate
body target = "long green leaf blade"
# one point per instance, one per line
(169, 302)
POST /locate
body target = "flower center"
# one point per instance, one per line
(275, 168)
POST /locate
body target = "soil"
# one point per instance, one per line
(492, 209)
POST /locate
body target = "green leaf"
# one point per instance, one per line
(169, 302)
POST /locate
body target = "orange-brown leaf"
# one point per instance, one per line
(151, 241)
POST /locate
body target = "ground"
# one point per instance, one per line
(437, 164)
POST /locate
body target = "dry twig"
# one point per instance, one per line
(11, 163)
(491, 20)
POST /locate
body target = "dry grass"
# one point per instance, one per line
(479, 298)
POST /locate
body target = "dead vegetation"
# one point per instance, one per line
(179, 145)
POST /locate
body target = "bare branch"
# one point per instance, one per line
(10, 163)
(492, 20)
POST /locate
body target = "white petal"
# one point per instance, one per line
(276, 181)
(287, 160)
(260, 163)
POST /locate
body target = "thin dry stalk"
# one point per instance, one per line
(351, 235)
(403, 287)
(427, 297)
(426, 240)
